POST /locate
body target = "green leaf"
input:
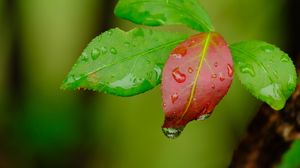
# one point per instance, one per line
(165, 12)
(291, 158)
(123, 63)
(266, 71)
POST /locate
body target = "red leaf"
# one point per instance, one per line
(195, 78)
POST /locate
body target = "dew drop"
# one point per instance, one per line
(267, 48)
(113, 51)
(222, 78)
(95, 53)
(84, 57)
(174, 97)
(179, 52)
(178, 76)
(103, 50)
(164, 104)
(214, 76)
(284, 58)
(191, 43)
(213, 86)
(127, 44)
(247, 69)
(109, 32)
(172, 133)
(229, 70)
(190, 70)
(216, 64)
(203, 117)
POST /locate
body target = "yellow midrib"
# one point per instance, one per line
(202, 58)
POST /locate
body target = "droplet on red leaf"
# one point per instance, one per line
(201, 52)
(230, 70)
(174, 97)
(178, 76)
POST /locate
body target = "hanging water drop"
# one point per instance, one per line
(178, 76)
(95, 53)
(174, 97)
(247, 69)
(113, 51)
(172, 133)
(229, 70)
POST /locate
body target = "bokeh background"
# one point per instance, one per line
(42, 126)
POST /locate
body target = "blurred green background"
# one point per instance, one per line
(42, 126)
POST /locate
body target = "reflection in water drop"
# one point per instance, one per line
(172, 133)
(247, 69)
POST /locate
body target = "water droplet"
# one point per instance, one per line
(222, 78)
(127, 44)
(190, 70)
(191, 43)
(284, 58)
(95, 53)
(214, 76)
(174, 97)
(113, 51)
(84, 57)
(203, 117)
(178, 76)
(229, 70)
(172, 133)
(164, 104)
(179, 52)
(247, 69)
(267, 48)
(109, 32)
(103, 50)
(213, 86)
(216, 64)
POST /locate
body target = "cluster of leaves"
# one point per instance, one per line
(196, 72)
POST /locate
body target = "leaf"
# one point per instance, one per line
(123, 63)
(291, 157)
(195, 78)
(266, 71)
(165, 12)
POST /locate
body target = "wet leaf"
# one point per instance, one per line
(165, 12)
(195, 78)
(123, 63)
(266, 71)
